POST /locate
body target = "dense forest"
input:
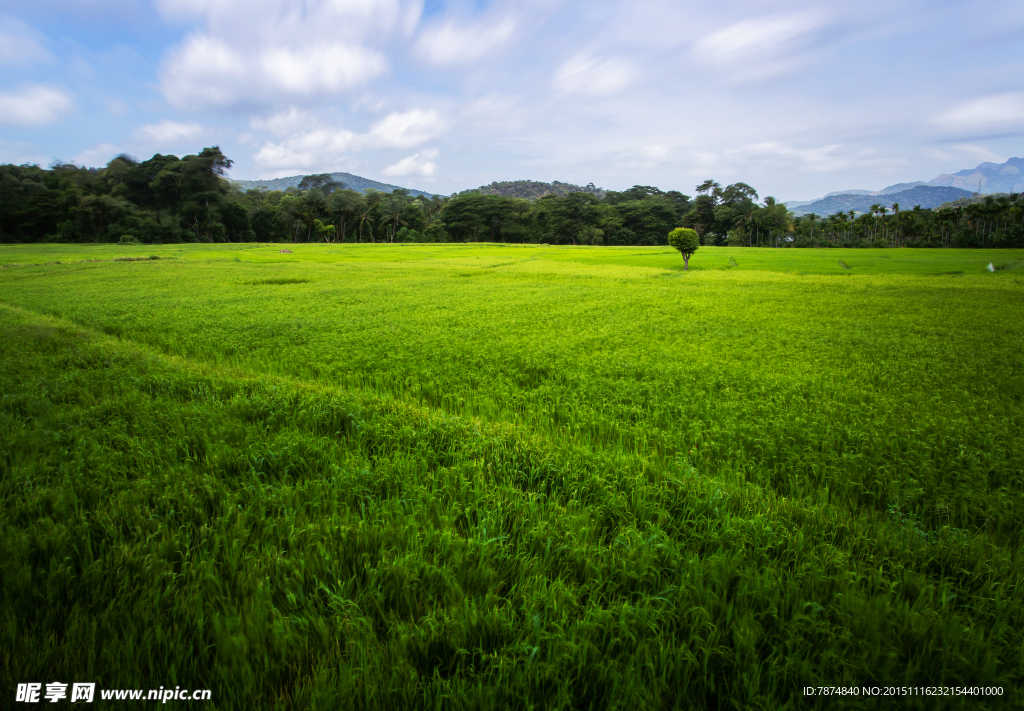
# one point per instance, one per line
(533, 189)
(171, 199)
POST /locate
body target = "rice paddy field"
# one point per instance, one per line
(514, 477)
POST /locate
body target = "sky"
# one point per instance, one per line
(794, 98)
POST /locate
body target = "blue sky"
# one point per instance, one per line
(795, 98)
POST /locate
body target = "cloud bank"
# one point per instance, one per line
(795, 98)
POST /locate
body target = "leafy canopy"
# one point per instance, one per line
(685, 240)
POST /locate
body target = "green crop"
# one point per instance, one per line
(488, 477)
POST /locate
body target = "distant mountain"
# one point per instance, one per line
(923, 195)
(532, 189)
(352, 182)
(987, 178)
(793, 205)
(841, 192)
(897, 188)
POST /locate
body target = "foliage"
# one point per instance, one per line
(352, 182)
(532, 189)
(372, 476)
(992, 221)
(407, 235)
(686, 240)
(166, 199)
(163, 199)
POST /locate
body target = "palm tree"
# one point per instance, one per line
(778, 219)
(707, 186)
(364, 217)
(769, 214)
(874, 213)
(896, 211)
(745, 218)
(1014, 208)
(393, 214)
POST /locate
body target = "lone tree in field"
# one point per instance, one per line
(686, 241)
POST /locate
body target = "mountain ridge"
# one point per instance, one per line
(987, 178)
(352, 182)
(927, 196)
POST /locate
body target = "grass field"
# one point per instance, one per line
(481, 476)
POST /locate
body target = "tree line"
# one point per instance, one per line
(189, 199)
(989, 221)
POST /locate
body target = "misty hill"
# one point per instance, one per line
(532, 189)
(842, 192)
(987, 178)
(796, 205)
(352, 182)
(897, 188)
(923, 195)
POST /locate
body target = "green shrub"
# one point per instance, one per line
(686, 241)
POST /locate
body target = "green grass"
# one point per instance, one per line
(482, 476)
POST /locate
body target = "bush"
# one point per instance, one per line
(436, 232)
(686, 241)
(407, 235)
(128, 239)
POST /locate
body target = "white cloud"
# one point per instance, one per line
(757, 48)
(988, 113)
(654, 152)
(981, 153)
(814, 159)
(167, 131)
(617, 93)
(345, 19)
(305, 150)
(207, 72)
(20, 45)
(322, 68)
(320, 145)
(33, 105)
(273, 52)
(97, 155)
(416, 164)
(403, 129)
(751, 162)
(455, 42)
(585, 75)
(494, 113)
(284, 122)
